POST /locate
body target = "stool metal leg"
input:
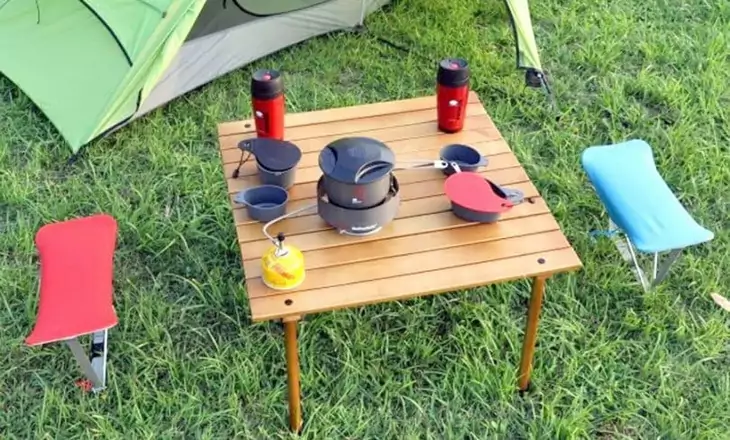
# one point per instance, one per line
(628, 253)
(638, 271)
(92, 364)
(662, 269)
(626, 250)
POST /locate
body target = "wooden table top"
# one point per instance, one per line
(426, 249)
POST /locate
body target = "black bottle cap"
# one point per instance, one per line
(453, 72)
(266, 84)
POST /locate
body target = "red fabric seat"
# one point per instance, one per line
(76, 272)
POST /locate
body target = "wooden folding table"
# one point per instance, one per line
(425, 250)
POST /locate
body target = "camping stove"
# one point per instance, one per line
(360, 234)
(358, 221)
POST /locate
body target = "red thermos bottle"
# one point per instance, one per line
(267, 99)
(452, 94)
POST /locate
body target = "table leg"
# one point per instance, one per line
(292, 373)
(528, 345)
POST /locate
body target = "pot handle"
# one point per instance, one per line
(423, 165)
(515, 196)
(239, 198)
(371, 166)
(246, 145)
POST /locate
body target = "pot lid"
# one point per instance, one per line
(273, 154)
(474, 192)
(356, 160)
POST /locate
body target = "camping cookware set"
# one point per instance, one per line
(358, 192)
(276, 163)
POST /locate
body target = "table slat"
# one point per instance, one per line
(340, 114)
(424, 261)
(436, 203)
(411, 200)
(397, 228)
(411, 244)
(347, 128)
(414, 285)
(315, 145)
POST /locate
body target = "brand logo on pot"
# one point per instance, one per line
(358, 193)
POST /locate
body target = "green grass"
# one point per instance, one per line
(186, 362)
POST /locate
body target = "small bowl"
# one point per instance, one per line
(284, 179)
(468, 158)
(264, 202)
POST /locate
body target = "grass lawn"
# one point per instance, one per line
(186, 362)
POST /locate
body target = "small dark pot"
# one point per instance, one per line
(471, 215)
(284, 179)
(276, 160)
(468, 158)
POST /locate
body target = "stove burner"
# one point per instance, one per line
(361, 234)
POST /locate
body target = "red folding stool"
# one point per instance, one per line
(75, 293)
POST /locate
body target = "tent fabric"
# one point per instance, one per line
(155, 54)
(84, 63)
(527, 54)
(210, 56)
(94, 65)
(68, 64)
(131, 22)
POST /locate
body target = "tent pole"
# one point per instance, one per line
(362, 12)
(548, 92)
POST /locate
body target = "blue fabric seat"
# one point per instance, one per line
(638, 199)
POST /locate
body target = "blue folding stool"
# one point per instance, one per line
(641, 206)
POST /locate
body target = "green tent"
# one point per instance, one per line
(94, 65)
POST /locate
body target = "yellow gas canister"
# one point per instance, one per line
(282, 266)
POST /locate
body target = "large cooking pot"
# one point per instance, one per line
(359, 221)
(356, 172)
